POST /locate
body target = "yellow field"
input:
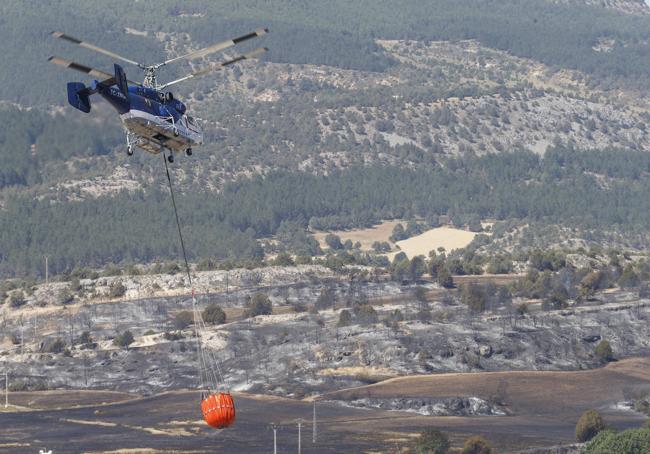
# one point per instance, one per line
(366, 237)
(446, 237)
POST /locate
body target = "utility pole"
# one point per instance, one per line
(47, 271)
(22, 337)
(313, 437)
(300, 423)
(275, 427)
(6, 386)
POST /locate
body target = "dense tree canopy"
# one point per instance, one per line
(331, 32)
(563, 186)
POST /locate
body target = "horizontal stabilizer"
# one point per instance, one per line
(78, 96)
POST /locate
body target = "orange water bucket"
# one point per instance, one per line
(218, 410)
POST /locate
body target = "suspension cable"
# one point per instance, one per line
(178, 223)
(205, 371)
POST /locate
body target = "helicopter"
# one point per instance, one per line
(153, 118)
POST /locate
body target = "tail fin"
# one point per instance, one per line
(78, 96)
(120, 80)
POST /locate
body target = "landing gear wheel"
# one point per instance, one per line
(170, 158)
(188, 152)
(175, 132)
(129, 150)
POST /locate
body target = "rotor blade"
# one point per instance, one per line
(106, 77)
(218, 47)
(254, 54)
(77, 67)
(86, 45)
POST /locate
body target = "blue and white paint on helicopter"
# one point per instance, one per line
(153, 119)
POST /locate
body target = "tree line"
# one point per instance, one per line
(563, 187)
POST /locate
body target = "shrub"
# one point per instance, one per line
(628, 278)
(423, 357)
(432, 441)
(171, 268)
(333, 241)
(589, 424)
(522, 309)
(632, 441)
(345, 318)
(591, 283)
(303, 260)
(283, 259)
(398, 233)
(86, 340)
(75, 284)
(476, 445)
(173, 336)
(214, 315)
(17, 299)
(206, 265)
(474, 297)
(259, 304)
(365, 314)
(604, 351)
(420, 294)
(395, 316)
(18, 385)
(111, 270)
(116, 289)
(57, 346)
(124, 340)
(445, 278)
(183, 319)
(65, 296)
(325, 299)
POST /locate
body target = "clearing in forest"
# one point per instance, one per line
(446, 237)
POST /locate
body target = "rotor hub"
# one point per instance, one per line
(150, 77)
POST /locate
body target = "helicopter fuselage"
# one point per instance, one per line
(154, 116)
(153, 119)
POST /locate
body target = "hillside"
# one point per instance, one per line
(410, 95)
(625, 6)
